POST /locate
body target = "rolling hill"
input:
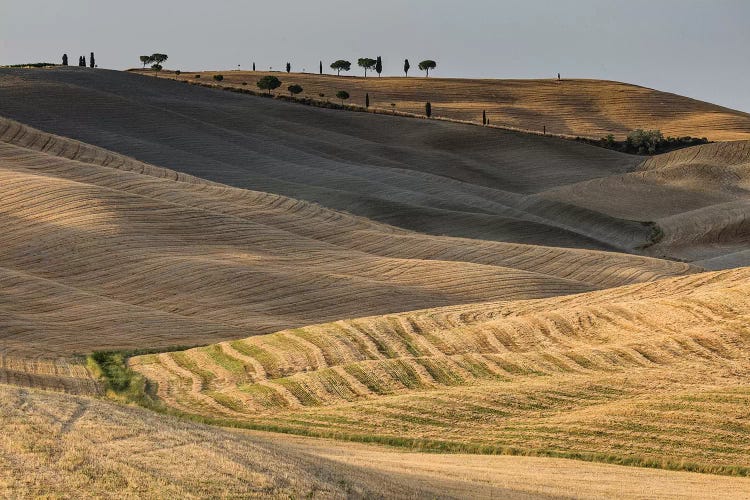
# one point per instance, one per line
(104, 252)
(433, 177)
(572, 107)
(650, 374)
(431, 285)
(429, 176)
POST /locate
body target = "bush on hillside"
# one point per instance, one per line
(218, 78)
(197, 76)
(645, 142)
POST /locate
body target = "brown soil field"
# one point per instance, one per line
(90, 447)
(648, 374)
(571, 107)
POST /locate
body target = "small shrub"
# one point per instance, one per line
(343, 95)
(177, 72)
(197, 76)
(218, 78)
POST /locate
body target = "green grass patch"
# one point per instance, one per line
(121, 383)
(184, 361)
(299, 391)
(268, 361)
(367, 378)
(232, 365)
(440, 371)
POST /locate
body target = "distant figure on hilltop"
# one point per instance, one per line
(65, 60)
(558, 77)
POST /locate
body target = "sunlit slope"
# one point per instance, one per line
(101, 251)
(698, 197)
(434, 177)
(651, 373)
(576, 107)
(90, 447)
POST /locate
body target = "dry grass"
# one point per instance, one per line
(652, 374)
(80, 446)
(587, 108)
(103, 252)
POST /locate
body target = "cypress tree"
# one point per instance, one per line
(379, 65)
(428, 109)
(367, 100)
(82, 62)
(91, 61)
(65, 60)
(406, 67)
(321, 67)
(253, 66)
(484, 117)
(288, 67)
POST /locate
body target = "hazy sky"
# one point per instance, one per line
(697, 48)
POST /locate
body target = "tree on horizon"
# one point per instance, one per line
(427, 65)
(406, 67)
(321, 67)
(145, 60)
(379, 66)
(159, 58)
(341, 64)
(366, 63)
(269, 83)
(343, 95)
(92, 63)
(288, 67)
(65, 60)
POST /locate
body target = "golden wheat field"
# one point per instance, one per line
(317, 303)
(572, 107)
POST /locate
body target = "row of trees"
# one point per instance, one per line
(369, 64)
(81, 61)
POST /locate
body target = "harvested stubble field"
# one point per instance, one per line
(648, 374)
(147, 257)
(571, 107)
(83, 445)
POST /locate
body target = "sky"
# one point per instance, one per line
(697, 48)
